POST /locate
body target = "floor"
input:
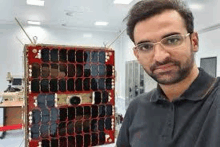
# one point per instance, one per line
(13, 139)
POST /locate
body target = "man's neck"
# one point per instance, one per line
(176, 90)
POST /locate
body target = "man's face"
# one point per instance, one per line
(166, 66)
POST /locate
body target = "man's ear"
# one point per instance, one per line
(136, 53)
(195, 41)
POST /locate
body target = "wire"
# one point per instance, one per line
(19, 40)
(116, 38)
(21, 142)
(23, 30)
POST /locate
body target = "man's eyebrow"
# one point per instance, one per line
(169, 34)
(144, 41)
(166, 35)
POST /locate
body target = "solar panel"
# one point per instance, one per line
(70, 96)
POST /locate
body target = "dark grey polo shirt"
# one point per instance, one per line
(192, 120)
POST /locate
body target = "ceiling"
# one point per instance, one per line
(82, 14)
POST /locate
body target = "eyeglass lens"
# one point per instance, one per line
(168, 42)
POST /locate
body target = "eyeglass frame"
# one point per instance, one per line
(159, 42)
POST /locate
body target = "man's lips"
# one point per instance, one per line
(164, 67)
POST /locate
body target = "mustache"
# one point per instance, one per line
(164, 62)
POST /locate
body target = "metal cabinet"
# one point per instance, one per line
(136, 82)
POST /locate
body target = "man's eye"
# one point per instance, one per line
(145, 47)
(172, 41)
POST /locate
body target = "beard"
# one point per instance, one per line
(172, 77)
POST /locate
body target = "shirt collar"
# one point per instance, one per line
(200, 87)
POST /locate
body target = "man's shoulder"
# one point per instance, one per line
(216, 91)
(141, 101)
(216, 85)
(218, 81)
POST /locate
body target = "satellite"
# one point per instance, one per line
(69, 96)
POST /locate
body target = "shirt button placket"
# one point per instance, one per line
(171, 120)
(168, 125)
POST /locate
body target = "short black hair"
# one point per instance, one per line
(147, 8)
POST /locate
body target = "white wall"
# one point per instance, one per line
(209, 46)
(10, 53)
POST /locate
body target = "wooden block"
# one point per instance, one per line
(12, 116)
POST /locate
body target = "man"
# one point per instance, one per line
(184, 109)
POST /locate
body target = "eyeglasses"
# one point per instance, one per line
(169, 42)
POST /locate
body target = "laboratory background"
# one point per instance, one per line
(46, 33)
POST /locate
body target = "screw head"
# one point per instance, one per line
(34, 51)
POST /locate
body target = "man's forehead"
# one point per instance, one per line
(160, 25)
(162, 20)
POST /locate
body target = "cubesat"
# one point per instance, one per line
(70, 96)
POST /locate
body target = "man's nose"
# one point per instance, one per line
(160, 53)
